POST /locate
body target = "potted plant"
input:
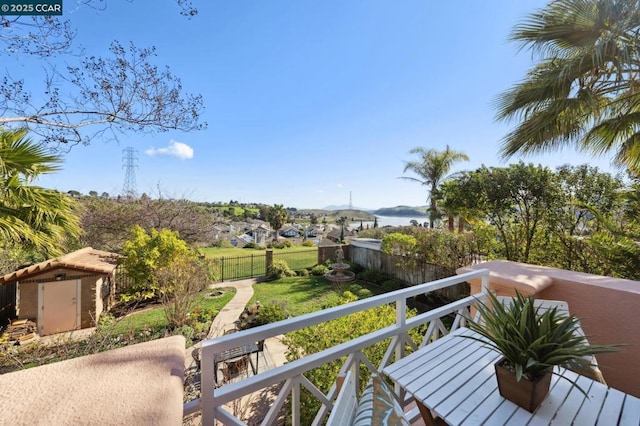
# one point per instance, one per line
(532, 341)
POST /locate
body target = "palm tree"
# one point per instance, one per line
(30, 215)
(432, 169)
(277, 216)
(584, 90)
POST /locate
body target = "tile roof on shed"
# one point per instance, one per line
(86, 259)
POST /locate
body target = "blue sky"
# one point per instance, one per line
(308, 101)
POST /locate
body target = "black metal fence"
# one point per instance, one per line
(255, 265)
(7, 303)
(239, 267)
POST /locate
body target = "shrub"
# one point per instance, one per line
(278, 269)
(186, 331)
(319, 270)
(222, 243)
(390, 285)
(271, 312)
(287, 243)
(302, 273)
(354, 267)
(307, 243)
(199, 315)
(373, 276)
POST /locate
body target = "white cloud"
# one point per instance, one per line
(175, 149)
(320, 191)
(339, 185)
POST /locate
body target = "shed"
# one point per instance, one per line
(65, 293)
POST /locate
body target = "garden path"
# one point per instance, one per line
(231, 312)
(258, 404)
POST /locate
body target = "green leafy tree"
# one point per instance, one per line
(146, 253)
(516, 200)
(43, 219)
(402, 247)
(583, 189)
(454, 201)
(432, 168)
(583, 92)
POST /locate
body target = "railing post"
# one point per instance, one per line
(222, 268)
(485, 283)
(207, 388)
(295, 404)
(401, 320)
(252, 266)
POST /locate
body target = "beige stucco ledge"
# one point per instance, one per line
(138, 384)
(505, 277)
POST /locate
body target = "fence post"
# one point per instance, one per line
(251, 265)
(268, 260)
(222, 268)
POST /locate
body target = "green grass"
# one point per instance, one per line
(154, 318)
(212, 252)
(303, 295)
(239, 263)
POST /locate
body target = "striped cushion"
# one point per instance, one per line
(378, 406)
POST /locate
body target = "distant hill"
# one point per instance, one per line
(336, 214)
(401, 211)
(345, 207)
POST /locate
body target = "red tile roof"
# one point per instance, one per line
(86, 259)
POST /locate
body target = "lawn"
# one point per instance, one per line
(212, 252)
(235, 263)
(303, 295)
(154, 318)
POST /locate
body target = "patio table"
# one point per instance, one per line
(455, 378)
(235, 353)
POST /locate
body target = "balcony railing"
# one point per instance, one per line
(213, 399)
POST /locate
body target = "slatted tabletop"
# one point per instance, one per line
(455, 377)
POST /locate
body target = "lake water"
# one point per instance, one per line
(393, 221)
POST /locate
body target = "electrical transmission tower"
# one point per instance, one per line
(130, 164)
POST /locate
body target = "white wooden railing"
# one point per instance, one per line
(213, 399)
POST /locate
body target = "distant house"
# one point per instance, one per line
(241, 240)
(65, 293)
(261, 233)
(289, 231)
(218, 231)
(334, 234)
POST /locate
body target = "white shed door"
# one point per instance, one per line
(58, 307)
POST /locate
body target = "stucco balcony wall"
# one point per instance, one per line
(134, 385)
(608, 308)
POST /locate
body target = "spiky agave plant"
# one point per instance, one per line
(533, 340)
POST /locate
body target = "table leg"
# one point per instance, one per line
(426, 414)
(215, 372)
(253, 367)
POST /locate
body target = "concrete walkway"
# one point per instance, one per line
(252, 407)
(225, 320)
(274, 352)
